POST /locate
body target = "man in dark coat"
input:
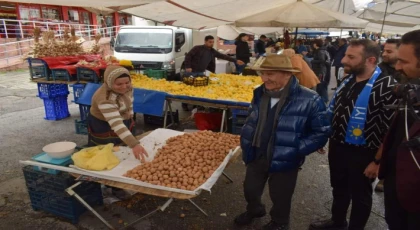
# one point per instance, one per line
(203, 57)
(339, 55)
(286, 122)
(400, 166)
(320, 64)
(259, 47)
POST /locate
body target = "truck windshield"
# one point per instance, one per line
(144, 41)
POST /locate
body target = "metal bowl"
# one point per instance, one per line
(60, 149)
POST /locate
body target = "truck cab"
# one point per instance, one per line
(153, 47)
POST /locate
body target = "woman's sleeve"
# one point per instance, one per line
(112, 115)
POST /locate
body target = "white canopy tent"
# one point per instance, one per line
(400, 17)
(197, 14)
(88, 3)
(301, 14)
(230, 32)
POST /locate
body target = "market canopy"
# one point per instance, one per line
(198, 14)
(108, 10)
(301, 14)
(310, 32)
(88, 3)
(400, 14)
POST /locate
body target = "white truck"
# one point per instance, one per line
(153, 47)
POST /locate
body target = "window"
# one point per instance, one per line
(85, 17)
(73, 15)
(179, 40)
(29, 12)
(51, 13)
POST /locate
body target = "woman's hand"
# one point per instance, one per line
(140, 153)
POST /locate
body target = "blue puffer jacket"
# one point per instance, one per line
(302, 128)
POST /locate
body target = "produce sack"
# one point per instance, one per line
(96, 158)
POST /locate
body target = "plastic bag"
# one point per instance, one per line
(96, 158)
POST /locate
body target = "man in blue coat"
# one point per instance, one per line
(286, 122)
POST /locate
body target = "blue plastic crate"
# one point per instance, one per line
(86, 74)
(84, 111)
(38, 69)
(81, 127)
(51, 90)
(56, 108)
(61, 74)
(47, 193)
(77, 91)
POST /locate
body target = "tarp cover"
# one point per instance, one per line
(301, 14)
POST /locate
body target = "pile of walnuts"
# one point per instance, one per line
(186, 161)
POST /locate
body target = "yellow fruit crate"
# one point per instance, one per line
(196, 81)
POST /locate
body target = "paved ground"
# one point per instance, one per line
(24, 132)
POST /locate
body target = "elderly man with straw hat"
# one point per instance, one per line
(286, 122)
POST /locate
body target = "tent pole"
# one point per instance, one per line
(383, 21)
(341, 33)
(296, 32)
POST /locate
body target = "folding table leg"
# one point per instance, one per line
(168, 108)
(223, 121)
(165, 113)
(171, 113)
(227, 177)
(71, 192)
(198, 207)
(161, 208)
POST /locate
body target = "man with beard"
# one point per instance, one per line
(400, 166)
(359, 122)
(389, 59)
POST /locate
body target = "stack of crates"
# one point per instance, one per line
(238, 120)
(47, 193)
(55, 100)
(81, 125)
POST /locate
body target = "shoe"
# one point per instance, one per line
(247, 218)
(272, 225)
(328, 225)
(379, 186)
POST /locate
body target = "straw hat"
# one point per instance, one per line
(276, 62)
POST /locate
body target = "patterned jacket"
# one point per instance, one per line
(378, 118)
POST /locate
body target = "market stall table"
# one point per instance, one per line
(210, 103)
(151, 142)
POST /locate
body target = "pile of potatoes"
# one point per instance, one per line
(186, 161)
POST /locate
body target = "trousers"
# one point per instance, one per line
(281, 187)
(396, 216)
(347, 165)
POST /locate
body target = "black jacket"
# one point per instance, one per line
(260, 47)
(192, 59)
(242, 51)
(320, 61)
(390, 71)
